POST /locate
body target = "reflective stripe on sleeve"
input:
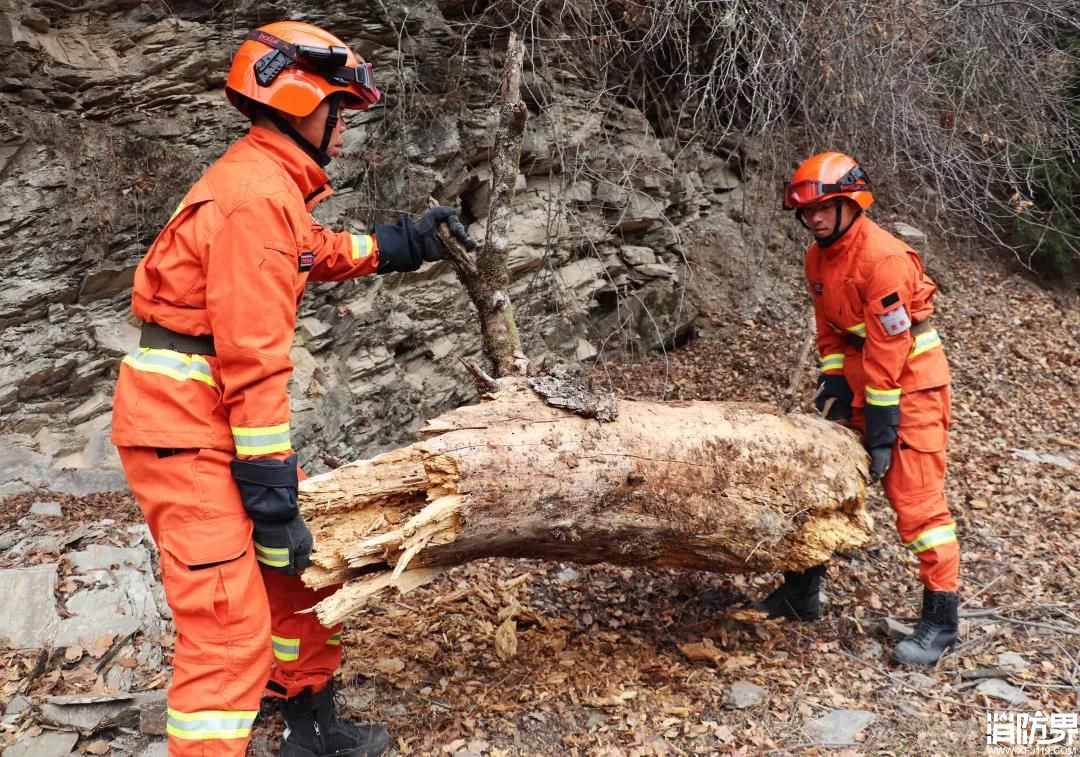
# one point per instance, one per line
(261, 440)
(934, 537)
(882, 397)
(210, 724)
(285, 650)
(361, 246)
(924, 342)
(273, 557)
(335, 639)
(832, 363)
(859, 329)
(176, 365)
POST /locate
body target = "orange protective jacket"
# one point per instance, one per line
(868, 288)
(232, 262)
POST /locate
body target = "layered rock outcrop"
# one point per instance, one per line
(108, 113)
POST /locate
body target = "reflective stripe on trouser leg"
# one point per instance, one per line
(932, 538)
(915, 486)
(210, 724)
(215, 589)
(317, 655)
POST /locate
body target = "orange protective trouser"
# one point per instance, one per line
(915, 485)
(237, 631)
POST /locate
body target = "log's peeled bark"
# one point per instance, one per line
(707, 485)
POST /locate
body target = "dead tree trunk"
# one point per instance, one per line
(714, 486)
(486, 280)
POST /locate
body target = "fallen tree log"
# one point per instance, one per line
(707, 485)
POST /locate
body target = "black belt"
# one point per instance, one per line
(857, 341)
(158, 337)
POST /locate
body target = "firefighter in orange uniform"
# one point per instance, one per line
(201, 413)
(883, 372)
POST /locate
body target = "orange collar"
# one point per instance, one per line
(309, 177)
(851, 239)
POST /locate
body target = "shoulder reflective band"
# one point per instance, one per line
(934, 537)
(262, 440)
(209, 724)
(882, 397)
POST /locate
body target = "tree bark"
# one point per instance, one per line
(706, 485)
(487, 279)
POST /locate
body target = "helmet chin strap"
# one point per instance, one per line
(837, 232)
(331, 121)
(318, 154)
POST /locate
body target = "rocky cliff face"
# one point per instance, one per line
(107, 114)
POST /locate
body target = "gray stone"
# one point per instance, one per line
(48, 509)
(1013, 661)
(894, 629)
(155, 749)
(312, 328)
(744, 694)
(16, 709)
(48, 744)
(97, 613)
(1033, 456)
(9, 539)
(585, 351)
(839, 727)
(655, 271)
(909, 233)
(999, 689)
(917, 680)
(104, 556)
(31, 590)
(18, 704)
(152, 709)
(85, 713)
(871, 650)
(611, 194)
(635, 256)
(583, 276)
(566, 575)
(524, 258)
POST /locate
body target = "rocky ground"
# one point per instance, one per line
(519, 658)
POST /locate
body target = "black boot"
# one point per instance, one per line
(313, 729)
(936, 632)
(798, 598)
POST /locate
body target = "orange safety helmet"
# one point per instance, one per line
(291, 66)
(828, 174)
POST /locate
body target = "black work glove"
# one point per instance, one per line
(882, 422)
(404, 246)
(834, 385)
(880, 460)
(427, 229)
(268, 491)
